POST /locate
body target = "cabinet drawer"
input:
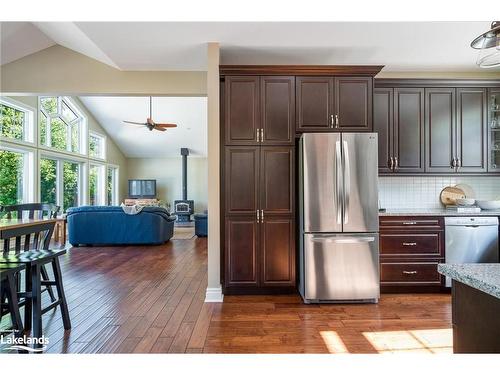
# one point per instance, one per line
(411, 223)
(405, 273)
(414, 244)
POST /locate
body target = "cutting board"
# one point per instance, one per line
(450, 194)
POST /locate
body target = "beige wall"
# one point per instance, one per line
(62, 71)
(168, 175)
(113, 153)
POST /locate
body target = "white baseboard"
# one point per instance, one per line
(214, 295)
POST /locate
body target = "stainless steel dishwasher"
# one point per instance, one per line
(471, 240)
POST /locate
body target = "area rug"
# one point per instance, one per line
(183, 233)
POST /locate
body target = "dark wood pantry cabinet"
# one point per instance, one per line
(263, 110)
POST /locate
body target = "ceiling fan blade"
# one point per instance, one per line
(167, 125)
(160, 129)
(134, 123)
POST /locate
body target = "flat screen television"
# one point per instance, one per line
(142, 188)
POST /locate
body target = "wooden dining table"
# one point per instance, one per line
(17, 227)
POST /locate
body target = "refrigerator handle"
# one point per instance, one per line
(338, 192)
(347, 181)
(337, 239)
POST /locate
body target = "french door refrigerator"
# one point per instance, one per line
(338, 193)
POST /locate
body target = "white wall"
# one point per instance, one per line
(423, 192)
(168, 175)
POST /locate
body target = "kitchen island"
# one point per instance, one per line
(475, 306)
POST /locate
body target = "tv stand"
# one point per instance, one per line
(141, 201)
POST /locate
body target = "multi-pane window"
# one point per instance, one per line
(61, 125)
(60, 182)
(96, 185)
(15, 176)
(97, 146)
(16, 121)
(112, 186)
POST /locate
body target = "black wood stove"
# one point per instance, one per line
(184, 207)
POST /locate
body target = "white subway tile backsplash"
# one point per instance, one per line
(423, 192)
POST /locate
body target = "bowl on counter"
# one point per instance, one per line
(465, 201)
(489, 205)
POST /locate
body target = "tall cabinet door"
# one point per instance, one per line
(471, 130)
(242, 110)
(408, 130)
(277, 110)
(241, 251)
(383, 126)
(440, 129)
(277, 251)
(353, 103)
(241, 176)
(277, 180)
(315, 103)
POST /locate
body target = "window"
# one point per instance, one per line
(62, 126)
(16, 121)
(112, 186)
(61, 182)
(15, 176)
(96, 185)
(97, 146)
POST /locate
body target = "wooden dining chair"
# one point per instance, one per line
(33, 211)
(8, 292)
(32, 250)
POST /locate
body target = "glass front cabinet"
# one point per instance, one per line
(494, 129)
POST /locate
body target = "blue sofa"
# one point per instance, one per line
(201, 224)
(109, 225)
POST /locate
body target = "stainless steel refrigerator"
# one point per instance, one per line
(338, 192)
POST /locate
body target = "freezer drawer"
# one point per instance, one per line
(341, 267)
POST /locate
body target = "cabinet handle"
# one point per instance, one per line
(409, 244)
(396, 163)
(258, 216)
(459, 164)
(390, 163)
(409, 222)
(453, 163)
(410, 272)
(262, 135)
(331, 121)
(261, 216)
(336, 121)
(258, 135)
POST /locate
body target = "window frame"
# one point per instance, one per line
(60, 159)
(101, 185)
(116, 186)
(29, 128)
(104, 141)
(28, 169)
(83, 126)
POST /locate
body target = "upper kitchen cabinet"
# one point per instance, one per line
(399, 121)
(471, 130)
(493, 125)
(353, 104)
(241, 106)
(315, 103)
(277, 110)
(334, 103)
(440, 140)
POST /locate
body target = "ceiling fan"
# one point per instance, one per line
(150, 124)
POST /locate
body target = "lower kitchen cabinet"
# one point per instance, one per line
(259, 254)
(410, 250)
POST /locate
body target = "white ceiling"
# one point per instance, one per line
(400, 46)
(189, 113)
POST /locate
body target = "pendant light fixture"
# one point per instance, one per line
(488, 45)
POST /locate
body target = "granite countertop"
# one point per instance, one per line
(484, 277)
(435, 212)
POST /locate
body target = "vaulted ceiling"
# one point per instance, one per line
(400, 46)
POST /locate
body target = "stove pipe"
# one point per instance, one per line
(184, 153)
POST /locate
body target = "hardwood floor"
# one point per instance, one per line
(149, 299)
